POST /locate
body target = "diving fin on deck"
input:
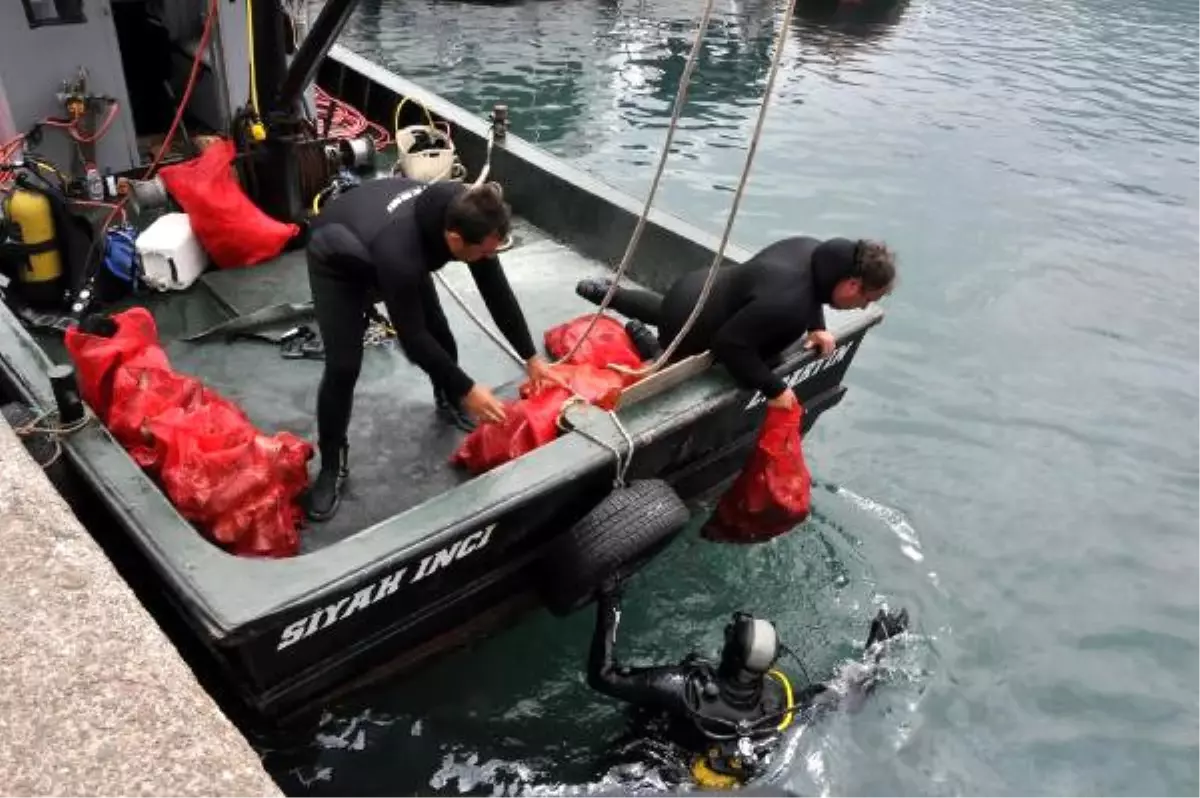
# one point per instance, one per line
(248, 324)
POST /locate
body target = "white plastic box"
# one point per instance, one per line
(172, 258)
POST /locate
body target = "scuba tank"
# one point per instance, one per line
(34, 252)
(45, 247)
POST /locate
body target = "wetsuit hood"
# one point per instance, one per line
(430, 213)
(833, 261)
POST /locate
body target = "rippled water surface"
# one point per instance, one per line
(1016, 460)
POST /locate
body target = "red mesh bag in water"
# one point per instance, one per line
(532, 420)
(228, 225)
(239, 486)
(606, 344)
(774, 491)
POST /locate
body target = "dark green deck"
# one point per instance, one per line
(399, 450)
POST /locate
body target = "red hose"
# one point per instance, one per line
(187, 92)
(197, 59)
(347, 121)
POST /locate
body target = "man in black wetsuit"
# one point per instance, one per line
(383, 240)
(728, 715)
(759, 308)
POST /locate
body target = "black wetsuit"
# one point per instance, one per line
(755, 309)
(678, 691)
(383, 240)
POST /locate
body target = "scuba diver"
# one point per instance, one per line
(385, 239)
(758, 308)
(728, 716)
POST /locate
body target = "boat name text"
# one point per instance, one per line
(802, 375)
(346, 606)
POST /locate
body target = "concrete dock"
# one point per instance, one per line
(94, 699)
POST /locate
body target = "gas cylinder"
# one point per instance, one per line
(40, 279)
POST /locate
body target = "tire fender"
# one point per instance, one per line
(623, 532)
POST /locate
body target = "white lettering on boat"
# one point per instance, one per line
(324, 617)
(809, 370)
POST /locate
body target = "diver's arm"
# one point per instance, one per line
(737, 344)
(401, 286)
(856, 680)
(660, 685)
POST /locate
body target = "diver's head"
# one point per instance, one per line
(870, 277)
(751, 648)
(477, 222)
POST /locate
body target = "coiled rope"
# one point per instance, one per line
(56, 433)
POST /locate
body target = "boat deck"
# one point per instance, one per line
(399, 449)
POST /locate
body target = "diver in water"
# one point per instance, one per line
(728, 716)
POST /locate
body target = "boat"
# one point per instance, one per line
(421, 557)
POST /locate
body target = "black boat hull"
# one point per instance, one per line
(482, 578)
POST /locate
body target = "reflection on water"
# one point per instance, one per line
(1018, 455)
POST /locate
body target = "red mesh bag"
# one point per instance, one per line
(140, 394)
(136, 337)
(606, 344)
(239, 486)
(532, 420)
(228, 225)
(774, 491)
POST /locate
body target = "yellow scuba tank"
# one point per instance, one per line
(40, 277)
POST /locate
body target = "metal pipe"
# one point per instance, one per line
(270, 57)
(314, 48)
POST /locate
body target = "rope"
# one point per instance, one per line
(487, 159)
(737, 199)
(575, 398)
(347, 122)
(56, 433)
(676, 113)
(622, 467)
(479, 322)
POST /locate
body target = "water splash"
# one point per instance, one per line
(509, 777)
(910, 545)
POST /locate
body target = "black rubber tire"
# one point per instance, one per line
(627, 529)
(41, 448)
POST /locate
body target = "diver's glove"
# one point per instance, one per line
(887, 625)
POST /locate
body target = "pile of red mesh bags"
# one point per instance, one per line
(532, 420)
(239, 486)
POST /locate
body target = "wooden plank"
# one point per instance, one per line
(665, 379)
